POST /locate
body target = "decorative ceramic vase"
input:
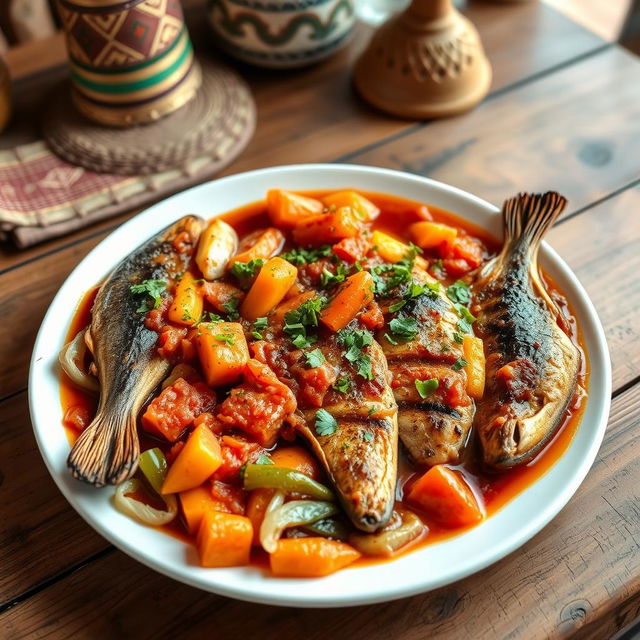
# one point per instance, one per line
(131, 60)
(281, 33)
(5, 94)
(426, 62)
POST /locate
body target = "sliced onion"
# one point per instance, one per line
(267, 528)
(71, 360)
(404, 527)
(138, 510)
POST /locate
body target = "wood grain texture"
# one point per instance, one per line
(576, 131)
(607, 276)
(583, 564)
(312, 115)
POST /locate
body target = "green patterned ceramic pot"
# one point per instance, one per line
(281, 33)
(131, 60)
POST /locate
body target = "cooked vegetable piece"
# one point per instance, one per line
(364, 208)
(267, 244)
(298, 459)
(218, 242)
(187, 303)
(473, 350)
(393, 250)
(153, 465)
(71, 360)
(144, 513)
(404, 527)
(327, 227)
(429, 235)
(198, 459)
(274, 280)
(328, 528)
(287, 209)
(354, 295)
(310, 557)
(257, 504)
(353, 249)
(170, 413)
(446, 497)
(224, 540)
(272, 477)
(223, 352)
(291, 514)
(195, 503)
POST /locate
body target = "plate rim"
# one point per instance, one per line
(189, 574)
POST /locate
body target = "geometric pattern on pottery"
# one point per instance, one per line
(116, 40)
(234, 26)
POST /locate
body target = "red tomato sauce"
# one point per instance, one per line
(494, 489)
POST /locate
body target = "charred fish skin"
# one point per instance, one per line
(532, 364)
(431, 431)
(129, 368)
(361, 457)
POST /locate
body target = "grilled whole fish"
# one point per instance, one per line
(360, 457)
(124, 351)
(434, 429)
(532, 364)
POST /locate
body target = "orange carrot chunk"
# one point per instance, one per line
(274, 280)
(355, 294)
(428, 235)
(297, 458)
(195, 503)
(224, 540)
(198, 459)
(187, 303)
(223, 352)
(310, 557)
(287, 209)
(446, 497)
(365, 209)
(327, 227)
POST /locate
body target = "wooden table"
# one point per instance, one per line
(563, 113)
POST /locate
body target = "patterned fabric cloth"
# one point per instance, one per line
(42, 196)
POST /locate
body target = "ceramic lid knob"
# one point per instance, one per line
(426, 62)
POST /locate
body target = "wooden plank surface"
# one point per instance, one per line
(576, 131)
(564, 578)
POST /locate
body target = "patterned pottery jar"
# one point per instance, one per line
(131, 60)
(281, 33)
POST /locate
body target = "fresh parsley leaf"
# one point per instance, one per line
(325, 424)
(457, 337)
(367, 436)
(363, 367)
(227, 338)
(396, 306)
(393, 341)
(371, 411)
(245, 270)
(302, 341)
(300, 256)
(404, 329)
(259, 325)
(354, 341)
(358, 265)
(262, 459)
(231, 308)
(458, 364)
(459, 292)
(152, 288)
(342, 385)
(314, 358)
(426, 387)
(297, 321)
(444, 348)
(329, 279)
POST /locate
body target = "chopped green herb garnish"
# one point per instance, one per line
(444, 348)
(354, 341)
(426, 387)
(328, 279)
(458, 364)
(368, 436)
(302, 341)
(246, 270)
(404, 329)
(231, 308)
(186, 316)
(299, 320)
(259, 325)
(314, 358)
(300, 256)
(325, 423)
(457, 337)
(262, 459)
(152, 288)
(371, 411)
(342, 385)
(392, 340)
(227, 338)
(459, 292)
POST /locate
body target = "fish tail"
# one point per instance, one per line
(528, 216)
(106, 452)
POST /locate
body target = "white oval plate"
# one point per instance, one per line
(424, 569)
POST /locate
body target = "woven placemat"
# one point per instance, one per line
(212, 123)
